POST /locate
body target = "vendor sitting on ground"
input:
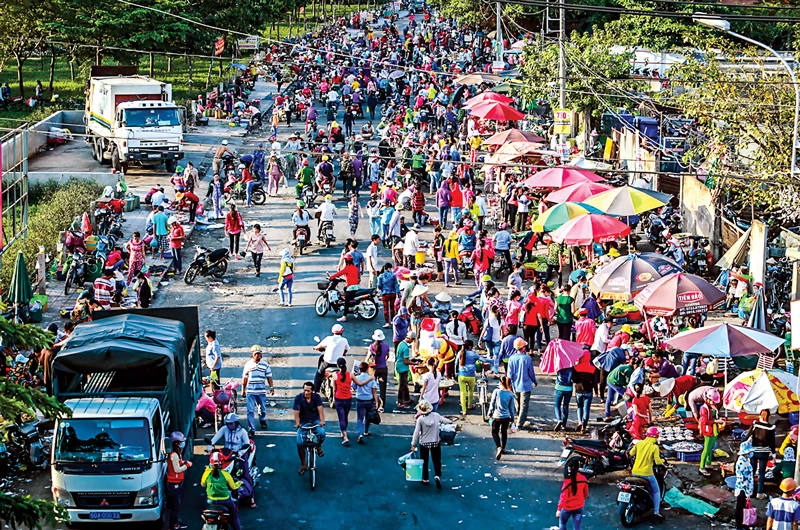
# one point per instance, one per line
(442, 306)
(367, 131)
(658, 367)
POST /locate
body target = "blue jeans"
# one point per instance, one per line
(655, 491)
(319, 431)
(584, 406)
(689, 362)
(250, 186)
(577, 516)
(176, 264)
(450, 267)
(444, 212)
(493, 351)
(613, 392)
(342, 411)
(287, 283)
(375, 226)
(543, 329)
(362, 407)
(562, 405)
(434, 181)
(233, 513)
(456, 215)
(759, 461)
(252, 401)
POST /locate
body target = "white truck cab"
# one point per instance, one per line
(107, 460)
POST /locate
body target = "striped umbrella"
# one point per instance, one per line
(559, 214)
(757, 390)
(627, 200)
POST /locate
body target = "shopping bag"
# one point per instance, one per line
(402, 460)
(749, 515)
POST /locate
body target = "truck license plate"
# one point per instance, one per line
(103, 515)
(210, 527)
(154, 155)
(624, 497)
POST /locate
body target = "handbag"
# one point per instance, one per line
(749, 515)
(487, 335)
(374, 417)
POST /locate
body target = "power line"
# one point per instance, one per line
(726, 6)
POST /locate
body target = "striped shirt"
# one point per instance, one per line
(784, 512)
(103, 291)
(257, 375)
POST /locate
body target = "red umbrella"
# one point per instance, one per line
(495, 110)
(589, 228)
(487, 96)
(678, 294)
(560, 176)
(577, 192)
(513, 135)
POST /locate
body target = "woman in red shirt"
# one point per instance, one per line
(482, 259)
(351, 276)
(176, 237)
(234, 224)
(343, 396)
(574, 491)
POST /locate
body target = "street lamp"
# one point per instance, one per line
(720, 24)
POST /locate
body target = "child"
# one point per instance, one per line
(783, 513)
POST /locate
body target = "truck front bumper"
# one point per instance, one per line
(152, 156)
(111, 515)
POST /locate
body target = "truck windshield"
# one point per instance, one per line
(103, 440)
(156, 117)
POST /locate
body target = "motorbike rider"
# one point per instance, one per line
(305, 177)
(327, 211)
(236, 440)
(333, 348)
(218, 154)
(300, 219)
(675, 251)
(324, 172)
(219, 484)
(352, 280)
(647, 454)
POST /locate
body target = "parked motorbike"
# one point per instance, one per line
(207, 263)
(238, 192)
(76, 274)
(598, 457)
(634, 499)
(225, 399)
(364, 303)
(24, 442)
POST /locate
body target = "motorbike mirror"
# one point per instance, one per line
(316, 339)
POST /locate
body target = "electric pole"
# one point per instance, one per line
(499, 34)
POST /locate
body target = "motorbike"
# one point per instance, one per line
(207, 263)
(697, 262)
(326, 388)
(234, 463)
(24, 441)
(76, 274)
(326, 234)
(215, 517)
(465, 263)
(301, 239)
(598, 457)
(634, 499)
(238, 192)
(364, 303)
(225, 399)
(308, 196)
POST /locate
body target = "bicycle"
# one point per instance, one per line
(482, 385)
(311, 442)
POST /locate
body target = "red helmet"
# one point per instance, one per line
(216, 459)
(348, 257)
(653, 432)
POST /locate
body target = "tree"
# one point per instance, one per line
(21, 28)
(17, 400)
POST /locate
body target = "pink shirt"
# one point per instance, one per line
(513, 307)
(585, 330)
(205, 402)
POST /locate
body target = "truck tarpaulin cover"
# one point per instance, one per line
(129, 342)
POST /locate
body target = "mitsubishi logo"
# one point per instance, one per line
(104, 503)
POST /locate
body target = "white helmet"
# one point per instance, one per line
(224, 142)
(337, 329)
(242, 166)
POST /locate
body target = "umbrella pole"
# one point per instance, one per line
(797, 461)
(723, 390)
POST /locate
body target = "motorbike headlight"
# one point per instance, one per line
(147, 496)
(62, 497)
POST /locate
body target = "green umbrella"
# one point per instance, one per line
(21, 291)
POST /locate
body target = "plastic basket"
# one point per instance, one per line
(414, 470)
(322, 285)
(447, 437)
(692, 456)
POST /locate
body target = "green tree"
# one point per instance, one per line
(22, 33)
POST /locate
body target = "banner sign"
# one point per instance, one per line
(219, 46)
(250, 43)
(562, 122)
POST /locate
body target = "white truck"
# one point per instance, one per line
(133, 120)
(130, 380)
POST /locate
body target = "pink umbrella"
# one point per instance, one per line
(678, 294)
(495, 110)
(487, 96)
(577, 192)
(513, 135)
(560, 176)
(560, 354)
(589, 228)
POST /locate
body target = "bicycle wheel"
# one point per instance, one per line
(484, 406)
(311, 458)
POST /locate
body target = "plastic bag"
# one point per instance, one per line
(402, 460)
(749, 515)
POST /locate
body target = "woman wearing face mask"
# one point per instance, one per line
(176, 467)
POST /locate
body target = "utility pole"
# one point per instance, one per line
(562, 74)
(499, 34)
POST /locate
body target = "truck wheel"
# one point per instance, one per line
(95, 150)
(171, 165)
(101, 152)
(115, 161)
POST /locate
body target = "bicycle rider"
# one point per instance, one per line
(308, 409)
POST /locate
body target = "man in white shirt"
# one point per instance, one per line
(372, 259)
(410, 246)
(327, 211)
(333, 348)
(255, 376)
(213, 354)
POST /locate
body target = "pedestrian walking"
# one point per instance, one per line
(450, 256)
(401, 370)
(388, 288)
(176, 237)
(136, 249)
(255, 377)
(161, 230)
(366, 399)
(234, 225)
(783, 513)
(429, 382)
(523, 380)
(564, 316)
(491, 336)
(256, 242)
(343, 396)
(709, 428)
(426, 435)
(563, 395)
(582, 383)
(377, 360)
(354, 212)
(762, 436)
(467, 359)
(574, 492)
(275, 174)
(176, 467)
(501, 411)
(213, 354)
(286, 277)
(743, 490)
(215, 190)
(144, 291)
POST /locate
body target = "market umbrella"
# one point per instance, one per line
(626, 276)
(758, 319)
(589, 228)
(488, 96)
(21, 292)
(477, 79)
(238, 66)
(757, 390)
(397, 74)
(592, 165)
(627, 201)
(513, 135)
(560, 176)
(578, 192)
(495, 110)
(559, 214)
(560, 354)
(678, 294)
(725, 340)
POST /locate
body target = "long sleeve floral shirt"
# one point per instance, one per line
(744, 476)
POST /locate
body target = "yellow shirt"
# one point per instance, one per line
(355, 85)
(450, 248)
(475, 142)
(647, 454)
